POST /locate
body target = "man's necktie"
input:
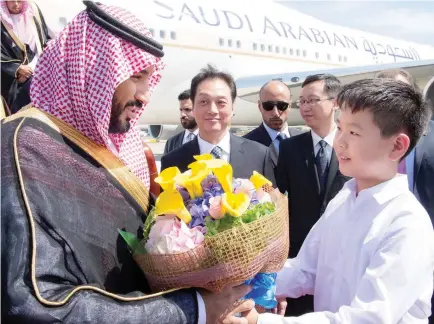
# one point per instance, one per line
(281, 137)
(217, 152)
(190, 137)
(402, 167)
(321, 162)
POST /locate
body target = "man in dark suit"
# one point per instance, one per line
(274, 104)
(307, 168)
(187, 121)
(213, 94)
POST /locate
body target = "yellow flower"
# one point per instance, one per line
(235, 204)
(170, 203)
(259, 180)
(191, 179)
(167, 178)
(222, 170)
(202, 157)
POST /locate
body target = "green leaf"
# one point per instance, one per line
(150, 221)
(133, 243)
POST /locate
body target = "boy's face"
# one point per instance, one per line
(363, 153)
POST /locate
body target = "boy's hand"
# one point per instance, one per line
(251, 316)
(281, 306)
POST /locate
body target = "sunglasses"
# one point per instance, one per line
(269, 105)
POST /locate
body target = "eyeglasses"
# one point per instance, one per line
(310, 102)
(269, 105)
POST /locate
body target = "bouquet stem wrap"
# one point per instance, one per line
(234, 255)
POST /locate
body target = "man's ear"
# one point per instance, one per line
(335, 104)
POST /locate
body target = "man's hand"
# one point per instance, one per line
(281, 306)
(22, 79)
(24, 71)
(220, 306)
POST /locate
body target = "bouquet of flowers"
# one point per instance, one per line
(208, 229)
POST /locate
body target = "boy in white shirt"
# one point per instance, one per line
(370, 257)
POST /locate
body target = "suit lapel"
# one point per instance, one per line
(236, 157)
(179, 139)
(309, 160)
(333, 169)
(193, 146)
(418, 157)
(264, 135)
(274, 155)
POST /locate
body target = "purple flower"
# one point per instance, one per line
(184, 194)
(198, 214)
(210, 183)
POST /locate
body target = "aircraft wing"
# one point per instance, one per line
(248, 87)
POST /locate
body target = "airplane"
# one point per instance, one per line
(255, 41)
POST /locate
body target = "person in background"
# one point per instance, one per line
(187, 121)
(213, 93)
(24, 34)
(274, 104)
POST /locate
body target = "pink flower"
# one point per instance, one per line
(170, 235)
(245, 186)
(215, 207)
(263, 196)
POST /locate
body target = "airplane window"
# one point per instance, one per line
(238, 44)
(329, 57)
(284, 50)
(291, 51)
(162, 34)
(270, 48)
(173, 35)
(277, 49)
(298, 52)
(221, 41)
(152, 31)
(262, 47)
(345, 58)
(340, 58)
(255, 46)
(230, 42)
(304, 53)
(317, 55)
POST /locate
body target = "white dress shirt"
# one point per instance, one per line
(274, 133)
(328, 139)
(368, 259)
(224, 144)
(187, 132)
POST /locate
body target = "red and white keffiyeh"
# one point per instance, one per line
(21, 24)
(78, 72)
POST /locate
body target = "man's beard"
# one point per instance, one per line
(189, 123)
(117, 126)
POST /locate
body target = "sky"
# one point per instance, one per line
(407, 20)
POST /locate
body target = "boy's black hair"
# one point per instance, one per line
(211, 72)
(184, 95)
(395, 106)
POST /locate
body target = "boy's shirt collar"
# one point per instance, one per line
(382, 192)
